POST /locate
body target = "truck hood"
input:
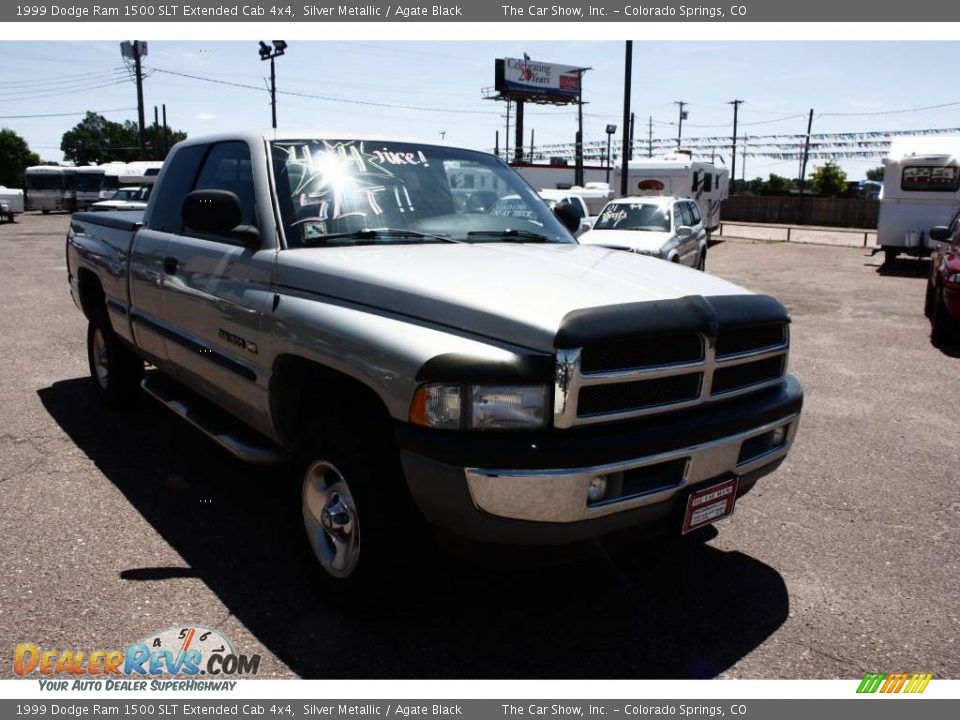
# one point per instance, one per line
(644, 241)
(518, 293)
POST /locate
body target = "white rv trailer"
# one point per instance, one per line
(89, 182)
(558, 177)
(141, 172)
(679, 175)
(921, 189)
(50, 188)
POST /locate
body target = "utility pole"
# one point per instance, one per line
(806, 153)
(682, 116)
(155, 146)
(626, 149)
(531, 145)
(496, 143)
(141, 134)
(733, 148)
(518, 142)
(650, 137)
(166, 134)
(743, 169)
(803, 167)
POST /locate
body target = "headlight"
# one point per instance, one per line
(480, 407)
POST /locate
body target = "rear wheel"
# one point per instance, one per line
(702, 261)
(944, 328)
(115, 369)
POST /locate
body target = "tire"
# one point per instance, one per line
(702, 260)
(361, 528)
(929, 299)
(890, 256)
(45, 212)
(944, 328)
(114, 369)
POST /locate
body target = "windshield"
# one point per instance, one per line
(411, 192)
(634, 216)
(127, 194)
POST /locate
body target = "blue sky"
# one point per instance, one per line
(780, 82)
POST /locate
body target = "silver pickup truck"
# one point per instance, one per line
(325, 302)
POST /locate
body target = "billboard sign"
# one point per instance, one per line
(535, 80)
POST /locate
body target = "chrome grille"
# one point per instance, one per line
(642, 376)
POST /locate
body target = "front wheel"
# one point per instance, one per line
(115, 369)
(360, 524)
(944, 328)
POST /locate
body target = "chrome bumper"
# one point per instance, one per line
(560, 496)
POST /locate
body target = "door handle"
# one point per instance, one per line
(170, 265)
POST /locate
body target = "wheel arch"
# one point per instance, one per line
(303, 391)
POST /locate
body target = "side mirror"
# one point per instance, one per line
(941, 233)
(684, 231)
(567, 216)
(218, 212)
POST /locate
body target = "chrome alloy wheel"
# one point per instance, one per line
(330, 519)
(100, 361)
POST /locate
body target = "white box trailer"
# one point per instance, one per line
(679, 175)
(558, 177)
(921, 189)
(11, 202)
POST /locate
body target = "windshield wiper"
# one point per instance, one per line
(374, 233)
(508, 235)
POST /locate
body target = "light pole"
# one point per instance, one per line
(611, 129)
(266, 53)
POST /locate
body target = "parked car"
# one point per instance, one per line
(942, 304)
(11, 203)
(322, 301)
(128, 198)
(668, 228)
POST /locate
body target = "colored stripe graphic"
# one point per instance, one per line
(894, 683)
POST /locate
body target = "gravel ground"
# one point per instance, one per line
(843, 561)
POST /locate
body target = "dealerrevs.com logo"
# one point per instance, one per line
(183, 652)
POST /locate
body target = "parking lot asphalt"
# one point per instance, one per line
(844, 561)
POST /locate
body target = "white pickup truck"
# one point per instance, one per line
(324, 301)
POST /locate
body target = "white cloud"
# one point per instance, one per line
(204, 116)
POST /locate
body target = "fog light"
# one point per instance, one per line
(779, 436)
(597, 489)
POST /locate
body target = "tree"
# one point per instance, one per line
(829, 179)
(875, 174)
(15, 157)
(775, 185)
(98, 140)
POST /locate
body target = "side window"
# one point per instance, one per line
(179, 174)
(707, 182)
(694, 214)
(685, 217)
(228, 167)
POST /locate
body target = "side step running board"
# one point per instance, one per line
(213, 422)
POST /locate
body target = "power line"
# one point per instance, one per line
(890, 112)
(75, 89)
(326, 98)
(64, 114)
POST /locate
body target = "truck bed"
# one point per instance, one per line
(118, 219)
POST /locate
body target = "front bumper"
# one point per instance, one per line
(532, 488)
